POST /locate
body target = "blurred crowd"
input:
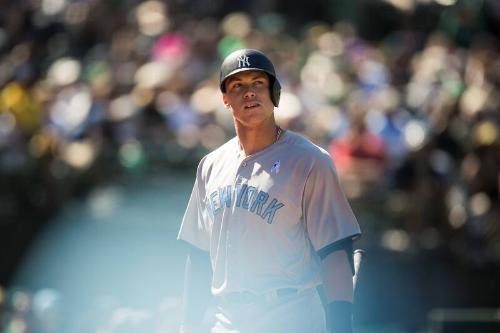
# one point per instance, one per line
(90, 90)
(47, 311)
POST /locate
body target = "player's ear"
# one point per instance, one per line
(225, 101)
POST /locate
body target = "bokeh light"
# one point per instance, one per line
(457, 216)
(405, 5)
(152, 17)
(486, 133)
(71, 109)
(122, 108)
(53, 7)
(64, 71)
(104, 202)
(446, 2)
(153, 74)
(47, 307)
(396, 240)
(206, 99)
(132, 154)
(76, 13)
(480, 204)
(237, 24)
(290, 107)
(415, 134)
(79, 155)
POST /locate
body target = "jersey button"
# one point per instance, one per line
(244, 164)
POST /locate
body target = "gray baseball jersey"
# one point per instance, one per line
(265, 217)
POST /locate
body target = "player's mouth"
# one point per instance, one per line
(250, 106)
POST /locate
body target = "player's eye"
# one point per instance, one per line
(260, 82)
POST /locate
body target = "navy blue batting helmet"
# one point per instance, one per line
(250, 60)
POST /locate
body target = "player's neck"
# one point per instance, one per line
(253, 140)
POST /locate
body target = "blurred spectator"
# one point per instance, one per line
(359, 156)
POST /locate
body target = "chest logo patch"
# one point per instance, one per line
(276, 167)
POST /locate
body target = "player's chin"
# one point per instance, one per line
(251, 120)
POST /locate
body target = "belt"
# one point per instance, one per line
(246, 297)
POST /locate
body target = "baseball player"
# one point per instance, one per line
(267, 221)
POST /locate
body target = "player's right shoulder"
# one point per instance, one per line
(217, 156)
(218, 153)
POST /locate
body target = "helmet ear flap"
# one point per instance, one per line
(275, 92)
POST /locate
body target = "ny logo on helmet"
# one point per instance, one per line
(243, 61)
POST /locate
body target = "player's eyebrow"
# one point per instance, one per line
(236, 77)
(259, 75)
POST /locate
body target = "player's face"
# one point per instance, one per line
(248, 95)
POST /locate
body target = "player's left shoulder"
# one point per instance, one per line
(305, 148)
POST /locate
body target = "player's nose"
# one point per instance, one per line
(249, 92)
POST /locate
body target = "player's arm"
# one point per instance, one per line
(332, 226)
(338, 288)
(196, 296)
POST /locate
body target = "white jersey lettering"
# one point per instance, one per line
(244, 197)
(271, 210)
